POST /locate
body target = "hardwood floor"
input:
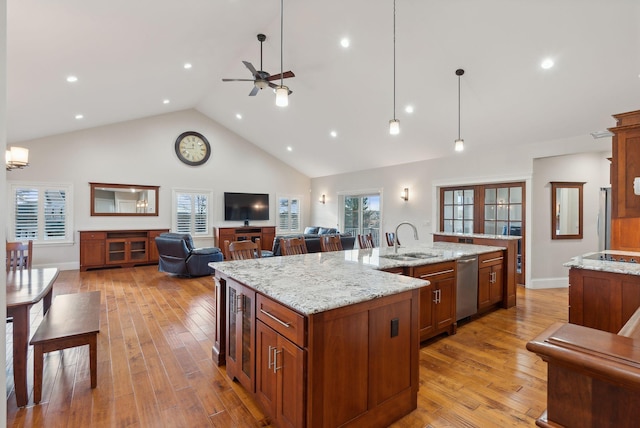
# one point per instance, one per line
(155, 368)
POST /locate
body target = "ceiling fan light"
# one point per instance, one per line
(282, 96)
(261, 84)
(459, 145)
(394, 127)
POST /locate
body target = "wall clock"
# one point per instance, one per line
(193, 148)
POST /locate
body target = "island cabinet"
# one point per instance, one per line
(241, 333)
(602, 300)
(490, 280)
(437, 300)
(355, 365)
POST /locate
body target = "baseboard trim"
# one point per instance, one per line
(542, 283)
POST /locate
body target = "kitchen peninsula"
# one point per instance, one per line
(604, 289)
(327, 339)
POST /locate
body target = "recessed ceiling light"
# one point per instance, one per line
(547, 63)
(79, 116)
(408, 109)
(72, 79)
(165, 101)
(187, 66)
(238, 116)
(334, 134)
(289, 148)
(344, 42)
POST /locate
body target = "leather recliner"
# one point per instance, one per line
(179, 256)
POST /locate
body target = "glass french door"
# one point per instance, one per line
(362, 215)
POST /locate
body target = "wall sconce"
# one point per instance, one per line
(323, 199)
(16, 158)
(405, 194)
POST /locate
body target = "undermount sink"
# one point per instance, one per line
(409, 256)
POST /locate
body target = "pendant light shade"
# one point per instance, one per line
(282, 96)
(394, 124)
(459, 143)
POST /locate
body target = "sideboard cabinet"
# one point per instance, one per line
(124, 248)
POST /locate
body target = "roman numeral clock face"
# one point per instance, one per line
(193, 148)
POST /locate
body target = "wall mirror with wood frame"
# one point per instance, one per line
(123, 200)
(566, 210)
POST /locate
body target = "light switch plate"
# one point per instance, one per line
(636, 186)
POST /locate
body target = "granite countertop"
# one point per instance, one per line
(587, 261)
(478, 235)
(318, 282)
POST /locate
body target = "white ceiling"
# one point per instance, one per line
(129, 55)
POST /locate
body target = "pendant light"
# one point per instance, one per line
(394, 124)
(282, 92)
(459, 143)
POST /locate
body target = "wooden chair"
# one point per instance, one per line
(293, 246)
(243, 250)
(391, 237)
(366, 241)
(330, 243)
(19, 255)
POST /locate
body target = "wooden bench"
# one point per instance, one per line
(73, 320)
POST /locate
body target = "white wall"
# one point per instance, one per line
(3, 213)
(548, 255)
(425, 177)
(142, 152)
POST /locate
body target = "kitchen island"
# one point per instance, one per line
(327, 339)
(604, 289)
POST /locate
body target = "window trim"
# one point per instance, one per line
(41, 186)
(289, 198)
(210, 209)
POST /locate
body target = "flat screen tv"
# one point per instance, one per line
(246, 206)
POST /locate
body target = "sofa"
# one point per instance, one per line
(179, 256)
(312, 239)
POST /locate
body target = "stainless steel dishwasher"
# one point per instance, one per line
(467, 287)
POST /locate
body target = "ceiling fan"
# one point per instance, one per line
(261, 79)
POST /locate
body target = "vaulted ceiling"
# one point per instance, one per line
(129, 55)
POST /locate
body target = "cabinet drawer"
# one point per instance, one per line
(396, 270)
(490, 259)
(435, 271)
(288, 323)
(86, 236)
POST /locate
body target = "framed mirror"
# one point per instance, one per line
(123, 200)
(566, 210)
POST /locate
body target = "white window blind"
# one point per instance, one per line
(288, 214)
(191, 212)
(40, 212)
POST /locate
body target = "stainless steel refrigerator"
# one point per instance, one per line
(604, 219)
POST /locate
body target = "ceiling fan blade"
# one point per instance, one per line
(251, 68)
(285, 75)
(237, 80)
(254, 91)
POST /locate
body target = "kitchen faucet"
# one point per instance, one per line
(395, 241)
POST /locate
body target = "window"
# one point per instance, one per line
(457, 210)
(40, 212)
(362, 215)
(191, 212)
(289, 213)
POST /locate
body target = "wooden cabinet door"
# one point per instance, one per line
(289, 364)
(496, 285)
(268, 235)
(484, 287)
(241, 337)
(266, 384)
(92, 253)
(137, 250)
(153, 248)
(427, 297)
(445, 308)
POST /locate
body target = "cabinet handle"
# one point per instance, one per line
(442, 272)
(271, 348)
(495, 259)
(275, 360)
(435, 296)
(286, 324)
(239, 303)
(439, 295)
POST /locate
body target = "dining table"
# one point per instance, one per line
(26, 287)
